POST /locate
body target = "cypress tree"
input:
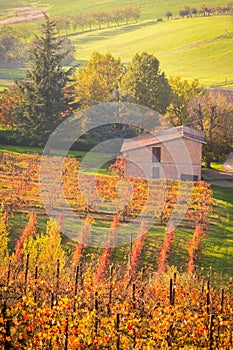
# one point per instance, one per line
(46, 91)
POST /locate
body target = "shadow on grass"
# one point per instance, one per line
(98, 35)
(223, 193)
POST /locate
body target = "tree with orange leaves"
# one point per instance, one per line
(30, 230)
(104, 260)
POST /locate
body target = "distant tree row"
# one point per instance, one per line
(108, 17)
(203, 10)
(15, 44)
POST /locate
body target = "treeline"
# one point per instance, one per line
(109, 17)
(203, 10)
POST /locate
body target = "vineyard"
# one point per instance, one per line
(87, 298)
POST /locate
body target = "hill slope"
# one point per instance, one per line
(182, 46)
(193, 48)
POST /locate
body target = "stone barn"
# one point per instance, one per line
(174, 153)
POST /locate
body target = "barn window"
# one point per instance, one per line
(156, 154)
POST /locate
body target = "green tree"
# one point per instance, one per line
(44, 95)
(146, 84)
(168, 14)
(11, 46)
(182, 92)
(45, 250)
(98, 79)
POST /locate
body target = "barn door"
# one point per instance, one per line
(155, 172)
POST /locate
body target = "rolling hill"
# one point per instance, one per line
(193, 48)
(198, 47)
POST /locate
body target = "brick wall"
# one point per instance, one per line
(179, 156)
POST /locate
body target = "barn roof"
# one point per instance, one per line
(225, 92)
(163, 136)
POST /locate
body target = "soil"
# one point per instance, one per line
(24, 14)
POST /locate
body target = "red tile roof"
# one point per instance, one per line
(163, 136)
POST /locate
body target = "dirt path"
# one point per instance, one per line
(218, 178)
(193, 45)
(24, 14)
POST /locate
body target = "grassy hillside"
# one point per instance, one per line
(182, 46)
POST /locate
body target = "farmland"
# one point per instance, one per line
(168, 287)
(216, 248)
(91, 258)
(181, 46)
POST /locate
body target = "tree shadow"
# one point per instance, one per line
(98, 34)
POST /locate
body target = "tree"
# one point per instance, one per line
(44, 96)
(146, 84)
(12, 48)
(30, 230)
(99, 18)
(109, 17)
(90, 20)
(75, 21)
(168, 14)
(213, 114)
(117, 15)
(129, 12)
(98, 79)
(193, 11)
(135, 13)
(182, 92)
(45, 250)
(8, 106)
(183, 13)
(82, 21)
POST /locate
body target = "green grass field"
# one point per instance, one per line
(182, 46)
(218, 246)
